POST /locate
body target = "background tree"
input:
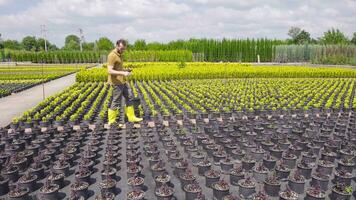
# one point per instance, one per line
(139, 45)
(334, 36)
(88, 46)
(353, 40)
(29, 43)
(12, 44)
(104, 44)
(299, 36)
(72, 42)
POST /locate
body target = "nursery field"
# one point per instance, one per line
(221, 131)
(18, 78)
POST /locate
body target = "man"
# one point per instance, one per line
(116, 78)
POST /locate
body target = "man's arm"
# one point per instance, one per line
(115, 72)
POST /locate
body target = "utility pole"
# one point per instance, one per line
(44, 35)
(81, 39)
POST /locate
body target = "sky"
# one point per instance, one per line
(166, 20)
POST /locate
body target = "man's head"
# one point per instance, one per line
(121, 45)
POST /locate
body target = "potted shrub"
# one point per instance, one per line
(28, 180)
(158, 168)
(321, 179)
(83, 174)
(305, 168)
(136, 182)
(276, 151)
(56, 178)
(272, 185)
(108, 171)
(18, 193)
(164, 192)
(236, 174)
(269, 161)
(108, 185)
(104, 195)
(325, 166)
(315, 193)
(61, 166)
(238, 154)
(247, 187)
(346, 164)
(49, 190)
(258, 153)
(282, 171)
(80, 188)
(226, 164)
(4, 185)
(248, 162)
(296, 182)
(203, 166)
(341, 191)
(220, 189)
(136, 194)
(192, 190)
(197, 157)
(211, 176)
(186, 178)
(180, 167)
(289, 159)
(260, 172)
(343, 176)
(288, 194)
(11, 172)
(162, 179)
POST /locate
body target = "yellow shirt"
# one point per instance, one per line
(115, 60)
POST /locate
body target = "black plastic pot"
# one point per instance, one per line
(52, 194)
(4, 186)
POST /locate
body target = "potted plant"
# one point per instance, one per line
(248, 162)
(321, 179)
(203, 166)
(288, 194)
(109, 171)
(28, 180)
(49, 190)
(260, 172)
(296, 182)
(61, 166)
(186, 178)
(247, 187)
(192, 190)
(162, 179)
(346, 164)
(56, 178)
(315, 193)
(108, 184)
(289, 159)
(83, 174)
(305, 168)
(197, 157)
(326, 166)
(136, 182)
(211, 176)
(236, 174)
(220, 189)
(276, 151)
(136, 194)
(80, 188)
(18, 193)
(164, 192)
(282, 171)
(272, 185)
(343, 176)
(226, 164)
(4, 185)
(269, 161)
(341, 191)
(258, 153)
(158, 168)
(104, 195)
(10, 172)
(180, 167)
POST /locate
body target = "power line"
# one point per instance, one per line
(81, 38)
(44, 35)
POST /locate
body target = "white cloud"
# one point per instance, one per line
(164, 20)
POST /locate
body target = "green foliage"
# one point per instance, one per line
(104, 44)
(170, 71)
(334, 36)
(29, 43)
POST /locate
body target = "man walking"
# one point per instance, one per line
(116, 78)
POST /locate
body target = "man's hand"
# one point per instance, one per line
(126, 73)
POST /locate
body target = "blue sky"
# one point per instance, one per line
(165, 20)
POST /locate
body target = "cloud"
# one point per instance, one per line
(165, 20)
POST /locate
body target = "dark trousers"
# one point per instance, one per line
(118, 92)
